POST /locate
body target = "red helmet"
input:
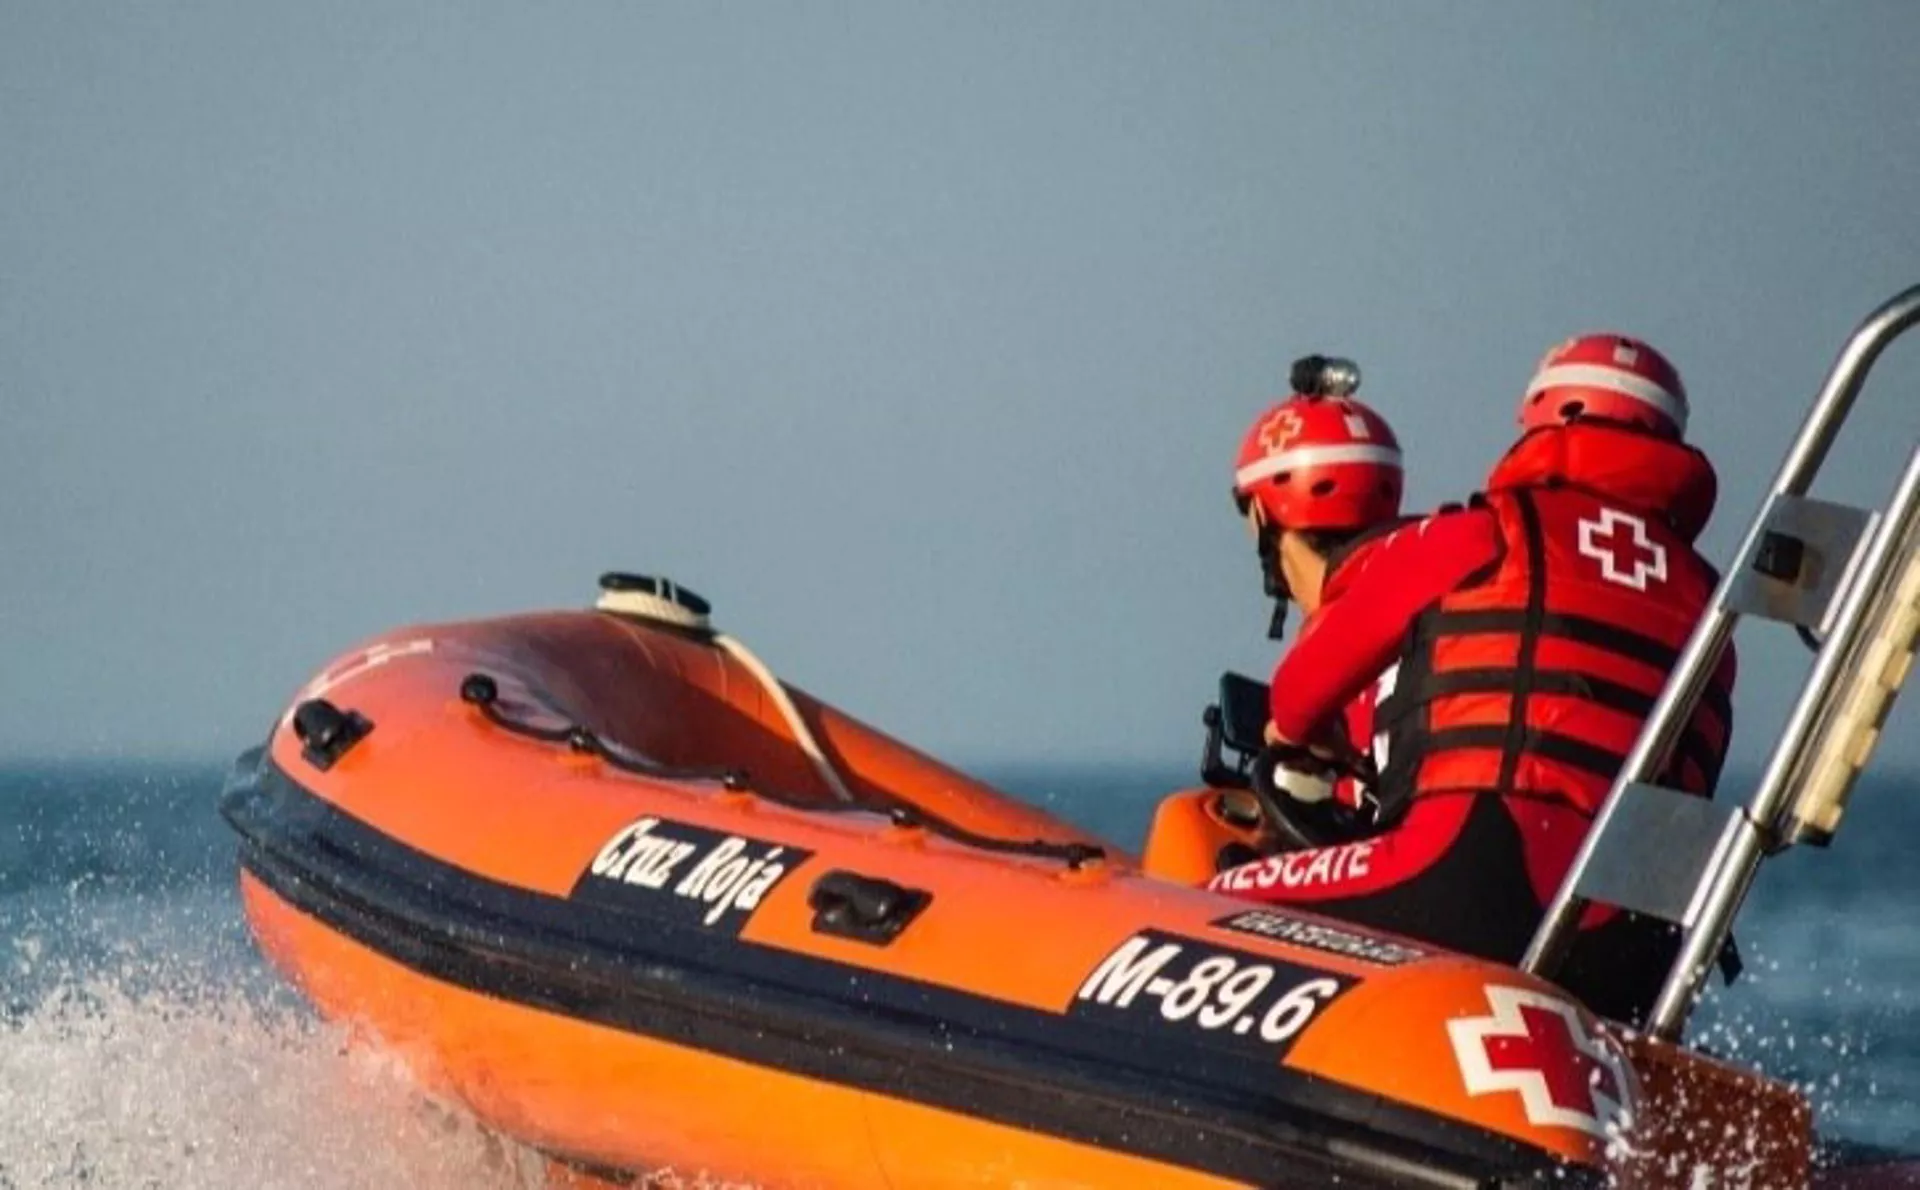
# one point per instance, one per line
(1316, 462)
(1610, 376)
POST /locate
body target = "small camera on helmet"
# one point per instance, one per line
(1324, 376)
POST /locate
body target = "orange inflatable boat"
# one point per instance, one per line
(605, 881)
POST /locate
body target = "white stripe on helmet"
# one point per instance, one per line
(1614, 380)
(1314, 456)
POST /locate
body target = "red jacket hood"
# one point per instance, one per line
(1620, 465)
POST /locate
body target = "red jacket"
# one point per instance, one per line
(1435, 612)
(1356, 717)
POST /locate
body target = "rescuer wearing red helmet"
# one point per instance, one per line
(1319, 478)
(1314, 473)
(1517, 644)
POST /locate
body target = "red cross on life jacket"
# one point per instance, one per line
(1627, 554)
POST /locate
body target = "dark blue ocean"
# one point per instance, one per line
(142, 1043)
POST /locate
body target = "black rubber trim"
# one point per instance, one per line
(1202, 1108)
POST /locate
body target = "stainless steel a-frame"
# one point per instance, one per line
(1849, 578)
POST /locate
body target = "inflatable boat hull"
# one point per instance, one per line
(524, 854)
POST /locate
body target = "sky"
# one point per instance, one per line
(919, 338)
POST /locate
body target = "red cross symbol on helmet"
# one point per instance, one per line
(1627, 555)
(1279, 429)
(1320, 463)
(1538, 1047)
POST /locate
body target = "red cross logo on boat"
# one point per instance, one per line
(1627, 556)
(1538, 1046)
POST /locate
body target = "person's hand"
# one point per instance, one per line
(1300, 774)
(1324, 749)
(1295, 791)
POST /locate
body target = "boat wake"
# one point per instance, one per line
(108, 1087)
(129, 1069)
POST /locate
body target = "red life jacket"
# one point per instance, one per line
(1533, 678)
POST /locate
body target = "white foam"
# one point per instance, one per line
(139, 1067)
(218, 1090)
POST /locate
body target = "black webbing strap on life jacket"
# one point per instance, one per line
(1525, 663)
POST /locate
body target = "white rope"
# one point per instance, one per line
(802, 734)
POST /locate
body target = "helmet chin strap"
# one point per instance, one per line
(1277, 627)
(1268, 544)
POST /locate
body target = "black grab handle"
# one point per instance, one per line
(327, 732)
(864, 908)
